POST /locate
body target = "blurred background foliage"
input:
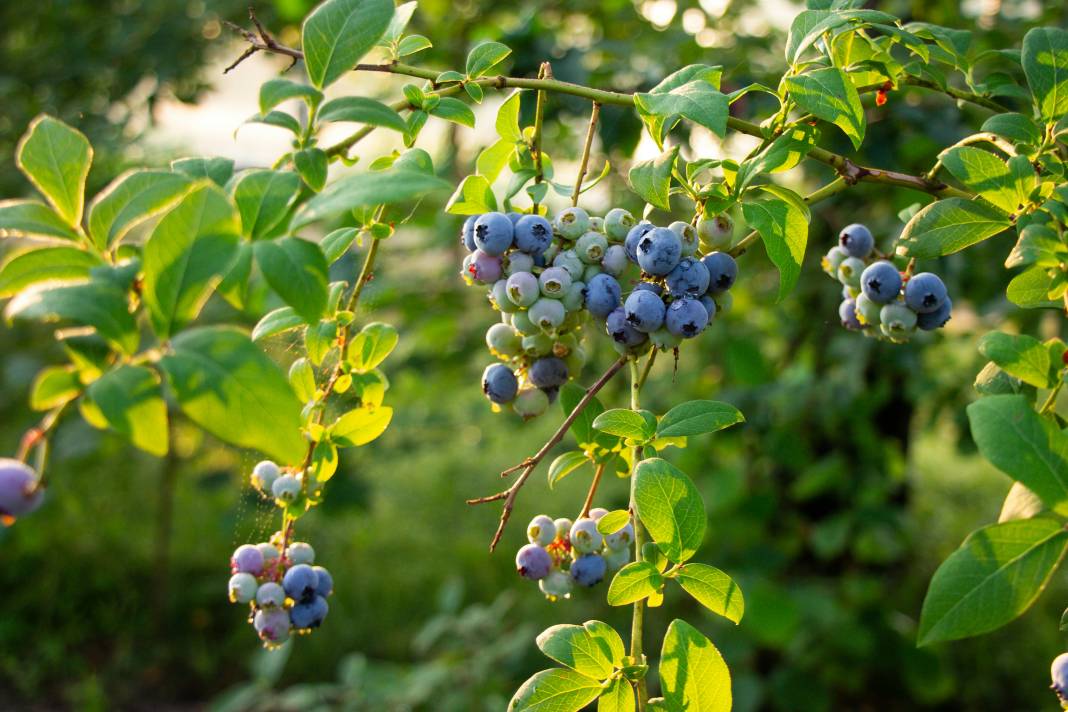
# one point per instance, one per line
(852, 479)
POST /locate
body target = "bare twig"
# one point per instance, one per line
(594, 113)
(593, 490)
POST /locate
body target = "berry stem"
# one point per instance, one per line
(544, 72)
(648, 366)
(1051, 400)
(593, 490)
(36, 438)
(638, 617)
(584, 165)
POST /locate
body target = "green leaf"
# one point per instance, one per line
(994, 576)
(1045, 62)
(564, 465)
(412, 44)
(782, 154)
(492, 159)
(324, 461)
(132, 198)
(613, 521)
(949, 225)
(217, 170)
(697, 101)
(617, 697)
(274, 91)
(784, 229)
(56, 159)
(1024, 445)
(101, 305)
(302, 378)
(828, 94)
(634, 582)
(1022, 356)
(454, 110)
(186, 256)
(693, 675)
(809, 25)
(574, 647)
(507, 123)
(54, 386)
(338, 242)
(338, 33)
(278, 119)
(401, 17)
(264, 198)
(582, 426)
(626, 423)
(698, 417)
(362, 110)
(473, 196)
(555, 690)
(1030, 289)
(485, 57)
(986, 174)
(690, 73)
(371, 346)
(276, 322)
(361, 425)
(44, 264)
(297, 271)
(313, 165)
(231, 389)
(1015, 127)
(670, 507)
(651, 179)
(130, 400)
(713, 589)
(319, 339)
(395, 185)
(29, 218)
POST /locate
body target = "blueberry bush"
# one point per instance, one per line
(126, 279)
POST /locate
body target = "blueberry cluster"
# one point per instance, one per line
(549, 279)
(1059, 672)
(562, 554)
(284, 487)
(20, 490)
(285, 591)
(878, 299)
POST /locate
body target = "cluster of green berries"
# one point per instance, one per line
(284, 590)
(878, 299)
(562, 554)
(285, 488)
(20, 490)
(550, 279)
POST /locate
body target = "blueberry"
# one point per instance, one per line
(270, 553)
(548, 372)
(936, 319)
(686, 317)
(247, 559)
(690, 276)
(264, 474)
(897, 320)
(499, 384)
(272, 625)
(856, 240)
(617, 223)
(300, 552)
(659, 251)
(533, 562)
(300, 582)
(539, 344)
(881, 282)
(270, 595)
(925, 293)
(596, 513)
(20, 492)
(591, 247)
(715, 233)
(541, 530)
(724, 302)
(530, 403)
(621, 331)
(563, 528)
(569, 260)
(309, 614)
(832, 260)
(588, 570)
(615, 559)
(547, 313)
(498, 298)
(242, 588)
(572, 223)
(615, 260)
(847, 312)
(664, 339)
(523, 289)
(533, 234)
(687, 236)
(324, 585)
(596, 225)
(602, 295)
(482, 267)
(494, 233)
(522, 323)
(575, 298)
(634, 237)
(1059, 673)
(867, 311)
(514, 217)
(584, 536)
(722, 271)
(286, 489)
(467, 234)
(621, 539)
(554, 282)
(710, 306)
(556, 585)
(650, 286)
(518, 262)
(503, 340)
(590, 272)
(644, 310)
(849, 272)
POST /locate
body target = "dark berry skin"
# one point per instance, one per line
(722, 271)
(881, 282)
(548, 372)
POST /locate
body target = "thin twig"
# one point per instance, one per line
(590, 132)
(593, 490)
(544, 72)
(648, 366)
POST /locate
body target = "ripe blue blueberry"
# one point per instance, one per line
(272, 625)
(722, 271)
(556, 585)
(19, 490)
(602, 295)
(615, 260)
(897, 321)
(936, 319)
(856, 239)
(247, 559)
(644, 310)
(563, 528)
(575, 298)
(300, 582)
(591, 247)
(630, 244)
(690, 276)
(659, 251)
(847, 313)
(514, 217)
(324, 582)
(617, 223)
(523, 289)
(541, 530)
(499, 384)
(687, 236)
(572, 223)
(850, 271)
(925, 293)
(547, 313)
(242, 588)
(482, 267)
(584, 536)
(548, 372)
(503, 340)
(881, 282)
(467, 234)
(650, 287)
(710, 305)
(300, 552)
(309, 614)
(264, 474)
(686, 317)
(286, 489)
(715, 232)
(518, 262)
(554, 282)
(270, 595)
(621, 331)
(569, 260)
(533, 234)
(533, 562)
(530, 403)
(494, 233)
(1059, 673)
(588, 570)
